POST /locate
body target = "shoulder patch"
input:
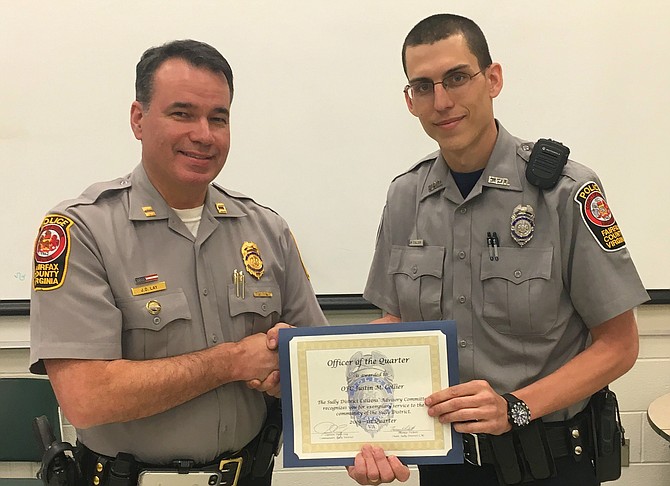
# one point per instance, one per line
(598, 217)
(52, 251)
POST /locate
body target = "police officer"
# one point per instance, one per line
(538, 280)
(157, 296)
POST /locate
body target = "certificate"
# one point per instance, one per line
(346, 386)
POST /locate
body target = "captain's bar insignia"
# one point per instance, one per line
(221, 208)
(148, 211)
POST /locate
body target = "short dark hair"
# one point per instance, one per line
(441, 26)
(194, 52)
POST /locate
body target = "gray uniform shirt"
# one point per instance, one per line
(520, 317)
(120, 238)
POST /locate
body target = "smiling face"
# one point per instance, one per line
(185, 131)
(460, 120)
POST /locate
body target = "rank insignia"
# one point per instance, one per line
(598, 217)
(148, 211)
(251, 256)
(52, 252)
(221, 208)
(523, 223)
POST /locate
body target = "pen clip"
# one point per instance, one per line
(496, 245)
(489, 244)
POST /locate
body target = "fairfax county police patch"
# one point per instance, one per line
(52, 250)
(598, 217)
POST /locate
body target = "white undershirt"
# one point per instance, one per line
(191, 218)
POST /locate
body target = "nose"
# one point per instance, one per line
(201, 132)
(441, 98)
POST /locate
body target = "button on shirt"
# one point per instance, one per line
(94, 314)
(519, 317)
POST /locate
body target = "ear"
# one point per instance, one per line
(136, 117)
(494, 78)
(410, 105)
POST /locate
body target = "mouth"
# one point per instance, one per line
(449, 122)
(196, 155)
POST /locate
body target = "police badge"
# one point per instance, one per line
(370, 391)
(523, 223)
(251, 256)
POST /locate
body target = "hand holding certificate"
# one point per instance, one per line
(346, 386)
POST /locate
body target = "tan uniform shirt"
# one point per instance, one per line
(524, 315)
(100, 263)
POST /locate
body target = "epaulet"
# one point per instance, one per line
(424, 160)
(239, 196)
(93, 192)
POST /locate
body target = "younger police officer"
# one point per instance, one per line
(157, 295)
(539, 281)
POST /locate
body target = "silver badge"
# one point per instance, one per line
(523, 223)
(370, 391)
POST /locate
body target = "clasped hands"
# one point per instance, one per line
(270, 383)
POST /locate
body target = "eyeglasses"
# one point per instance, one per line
(424, 90)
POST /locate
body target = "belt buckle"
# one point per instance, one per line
(233, 464)
(471, 441)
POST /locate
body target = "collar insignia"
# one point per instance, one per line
(498, 181)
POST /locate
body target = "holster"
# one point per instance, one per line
(608, 434)
(57, 468)
(269, 440)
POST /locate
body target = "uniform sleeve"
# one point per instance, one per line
(300, 307)
(380, 288)
(78, 319)
(602, 278)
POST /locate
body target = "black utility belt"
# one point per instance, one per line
(124, 470)
(528, 453)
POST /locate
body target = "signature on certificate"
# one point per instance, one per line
(326, 429)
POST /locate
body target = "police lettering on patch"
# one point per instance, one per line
(598, 218)
(52, 250)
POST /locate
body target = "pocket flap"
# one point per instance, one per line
(416, 262)
(518, 264)
(261, 299)
(166, 308)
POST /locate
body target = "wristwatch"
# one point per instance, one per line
(518, 413)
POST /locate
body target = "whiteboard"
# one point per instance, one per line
(319, 124)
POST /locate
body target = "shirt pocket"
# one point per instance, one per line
(156, 326)
(259, 308)
(417, 273)
(520, 298)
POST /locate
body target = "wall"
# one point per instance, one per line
(319, 123)
(649, 378)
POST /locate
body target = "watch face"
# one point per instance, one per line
(520, 414)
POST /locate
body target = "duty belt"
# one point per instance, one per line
(528, 453)
(123, 470)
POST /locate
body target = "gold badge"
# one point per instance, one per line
(148, 211)
(154, 307)
(251, 257)
(221, 208)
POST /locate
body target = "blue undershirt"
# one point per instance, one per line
(466, 180)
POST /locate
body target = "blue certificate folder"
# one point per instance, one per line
(292, 455)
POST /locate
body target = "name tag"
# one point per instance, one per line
(147, 289)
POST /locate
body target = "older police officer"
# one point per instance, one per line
(538, 280)
(157, 295)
